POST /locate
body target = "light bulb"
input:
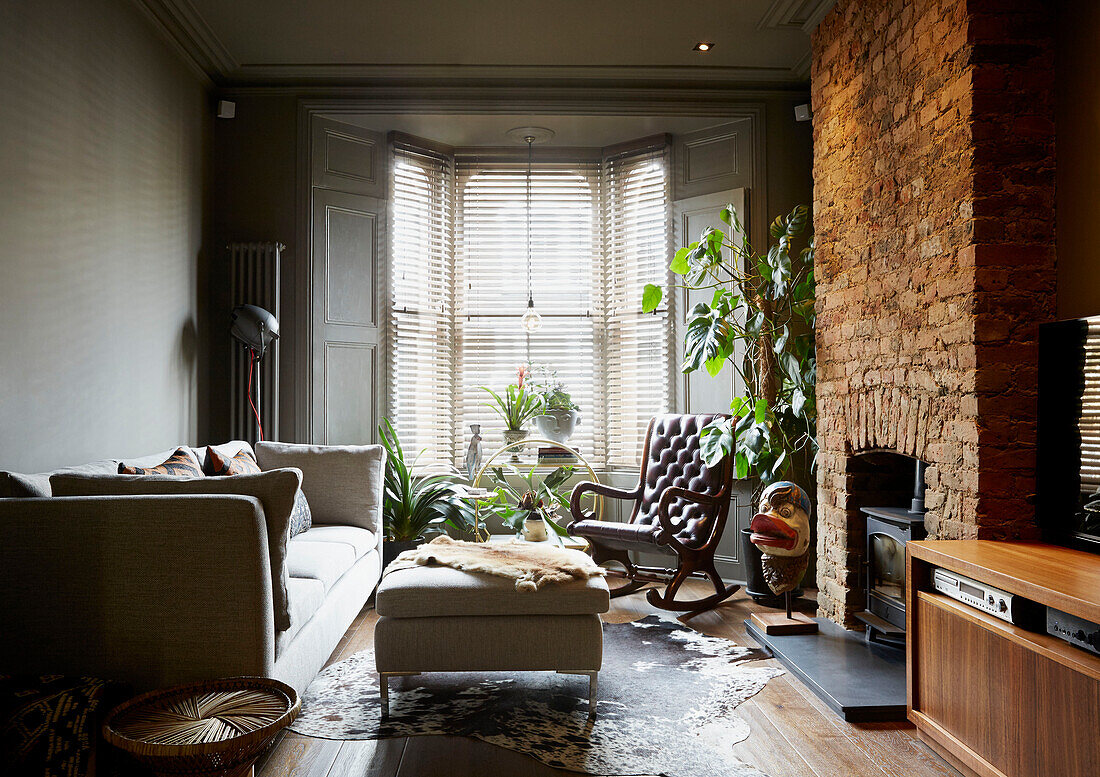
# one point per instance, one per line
(531, 320)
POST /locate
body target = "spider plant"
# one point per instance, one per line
(516, 406)
(413, 504)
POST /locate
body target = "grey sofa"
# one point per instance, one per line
(156, 590)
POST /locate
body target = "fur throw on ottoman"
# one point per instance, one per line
(531, 565)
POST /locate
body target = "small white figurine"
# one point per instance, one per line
(474, 452)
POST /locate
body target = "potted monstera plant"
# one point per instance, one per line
(415, 505)
(759, 323)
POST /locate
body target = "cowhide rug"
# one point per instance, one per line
(666, 705)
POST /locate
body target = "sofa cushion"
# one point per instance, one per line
(427, 591)
(219, 464)
(275, 490)
(342, 482)
(359, 540)
(17, 485)
(324, 561)
(181, 463)
(305, 596)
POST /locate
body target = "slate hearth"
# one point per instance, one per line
(861, 682)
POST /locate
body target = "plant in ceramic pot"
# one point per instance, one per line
(529, 508)
(414, 505)
(560, 414)
(516, 405)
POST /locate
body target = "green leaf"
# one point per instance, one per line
(798, 402)
(651, 297)
(742, 465)
(706, 337)
(781, 339)
(761, 410)
(716, 441)
(679, 263)
(714, 365)
(726, 214)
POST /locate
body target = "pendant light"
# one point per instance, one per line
(531, 321)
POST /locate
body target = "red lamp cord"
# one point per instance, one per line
(255, 412)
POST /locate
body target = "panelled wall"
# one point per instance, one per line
(103, 160)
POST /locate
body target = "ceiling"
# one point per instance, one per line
(490, 129)
(271, 42)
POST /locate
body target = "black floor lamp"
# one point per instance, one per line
(255, 328)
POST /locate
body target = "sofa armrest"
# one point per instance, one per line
(343, 483)
(149, 590)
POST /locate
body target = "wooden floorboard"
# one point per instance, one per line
(793, 734)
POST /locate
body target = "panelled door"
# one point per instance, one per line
(348, 259)
(698, 391)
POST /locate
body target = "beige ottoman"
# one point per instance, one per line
(439, 619)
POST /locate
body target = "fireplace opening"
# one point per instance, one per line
(888, 489)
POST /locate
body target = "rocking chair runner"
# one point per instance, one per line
(680, 509)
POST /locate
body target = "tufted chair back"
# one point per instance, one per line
(672, 457)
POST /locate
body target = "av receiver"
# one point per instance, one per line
(1000, 604)
(1076, 631)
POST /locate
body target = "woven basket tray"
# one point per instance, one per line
(211, 727)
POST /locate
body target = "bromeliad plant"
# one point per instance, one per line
(413, 504)
(518, 404)
(760, 322)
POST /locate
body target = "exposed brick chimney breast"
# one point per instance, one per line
(934, 219)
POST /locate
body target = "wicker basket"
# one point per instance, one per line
(214, 727)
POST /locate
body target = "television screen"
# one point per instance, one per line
(1069, 432)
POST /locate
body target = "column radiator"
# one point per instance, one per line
(254, 280)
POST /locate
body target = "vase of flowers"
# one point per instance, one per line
(516, 405)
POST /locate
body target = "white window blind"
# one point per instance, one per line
(421, 331)
(1088, 425)
(599, 231)
(491, 268)
(639, 348)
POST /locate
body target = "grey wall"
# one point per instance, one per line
(1078, 197)
(255, 158)
(103, 155)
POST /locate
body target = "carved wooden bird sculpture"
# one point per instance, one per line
(781, 529)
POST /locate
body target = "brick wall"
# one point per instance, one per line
(933, 211)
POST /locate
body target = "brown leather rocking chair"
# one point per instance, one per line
(680, 509)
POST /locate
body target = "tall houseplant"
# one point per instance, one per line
(415, 504)
(760, 323)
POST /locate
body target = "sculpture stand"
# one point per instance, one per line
(778, 623)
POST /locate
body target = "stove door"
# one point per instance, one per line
(886, 578)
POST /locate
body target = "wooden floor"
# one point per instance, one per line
(793, 733)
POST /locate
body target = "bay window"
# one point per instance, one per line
(460, 281)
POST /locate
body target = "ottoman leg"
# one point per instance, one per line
(384, 688)
(593, 686)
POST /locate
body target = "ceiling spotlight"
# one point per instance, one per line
(703, 46)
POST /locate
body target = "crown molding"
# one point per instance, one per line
(584, 100)
(802, 15)
(372, 74)
(182, 25)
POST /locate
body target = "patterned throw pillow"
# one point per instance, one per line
(300, 518)
(218, 464)
(51, 725)
(180, 464)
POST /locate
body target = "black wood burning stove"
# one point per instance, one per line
(888, 529)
